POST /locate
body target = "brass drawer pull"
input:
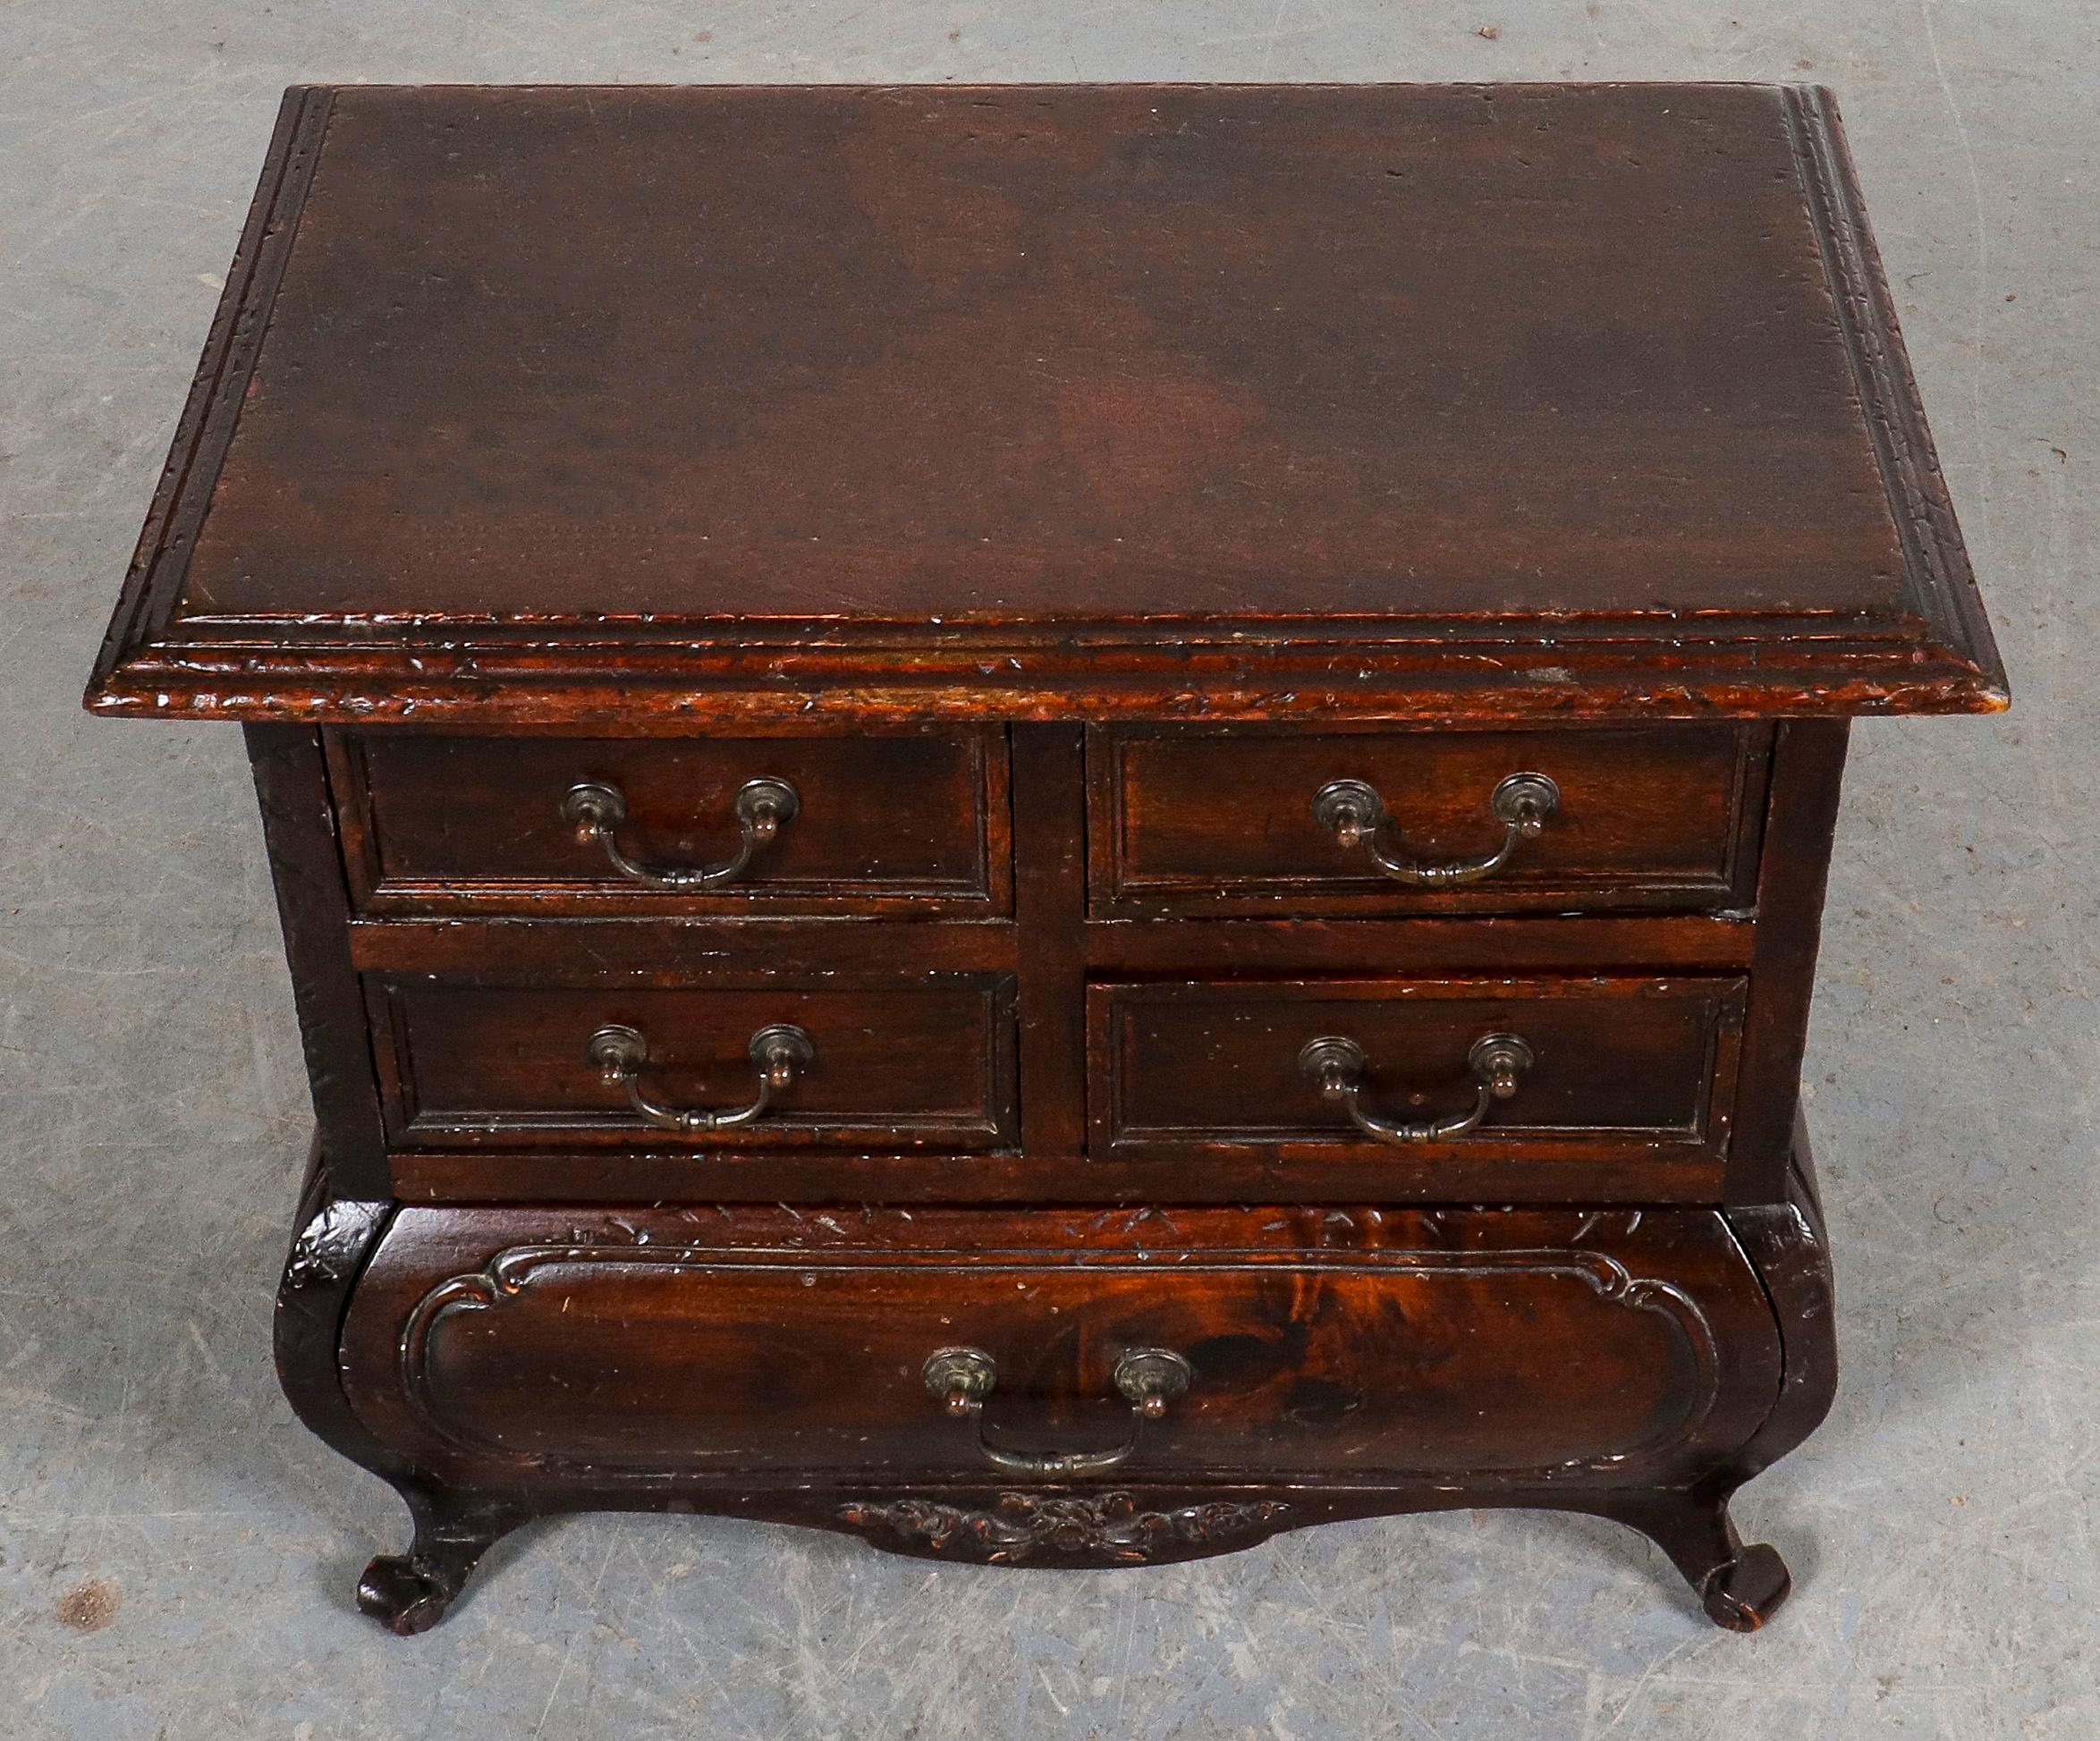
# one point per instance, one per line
(1337, 1065)
(595, 809)
(780, 1051)
(1354, 814)
(1149, 1378)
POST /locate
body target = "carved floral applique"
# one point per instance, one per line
(1109, 1528)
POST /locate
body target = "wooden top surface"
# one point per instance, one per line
(574, 403)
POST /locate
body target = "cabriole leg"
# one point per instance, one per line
(408, 1594)
(1739, 1587)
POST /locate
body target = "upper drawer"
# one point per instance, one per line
(893, 824)
(1232, 822)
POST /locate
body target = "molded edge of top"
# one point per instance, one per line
(680, 677)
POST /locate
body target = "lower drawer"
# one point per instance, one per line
(926, 1064)
(1050, 1346)
(1477, 1079)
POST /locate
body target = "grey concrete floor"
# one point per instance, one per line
(176, 1553)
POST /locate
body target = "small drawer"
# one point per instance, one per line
(1020, 1348)
(901, 825)
(1473, 1079)
(1194, 821)
(467, 1062)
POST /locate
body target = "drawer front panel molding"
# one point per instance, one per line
(1220, 823)
(879, 1065)
(1601, 1069)
(905, 824)
(697, 1345)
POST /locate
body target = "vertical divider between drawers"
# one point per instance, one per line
(1049, 799)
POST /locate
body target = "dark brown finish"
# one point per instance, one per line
(790, 640)
(1808, 770)
(1061, 365)
(1625, 1069)
(306, 866)
(813, 1178)
(1207, 823)
(1786, 1243)
(409, 1594)
(622, 949)
(335, 1238)
(1347, 945)
(913, 825)
(618, 951)
(1051, 896)
(1351, 1328)
(1390, 1344)
(925, 1063)
(334, 1234)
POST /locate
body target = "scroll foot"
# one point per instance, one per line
(1739, 1587)
(1747, 1591)
(408, 1594)
(405, 1595)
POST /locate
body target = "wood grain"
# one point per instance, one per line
(911, 825)
(1057, 485)
(1194, 823)
(313, 908)
(910, 1065)
(711, 1345)
(1808, 774)
(1060, 366)
(1188, 1072)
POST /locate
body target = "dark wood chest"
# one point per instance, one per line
(1062, 824)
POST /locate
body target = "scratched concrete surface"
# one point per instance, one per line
(176, 1553)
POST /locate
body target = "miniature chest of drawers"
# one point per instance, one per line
(1059, 824)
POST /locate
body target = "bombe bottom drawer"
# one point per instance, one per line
(1063, 1387)
(848, 1346)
